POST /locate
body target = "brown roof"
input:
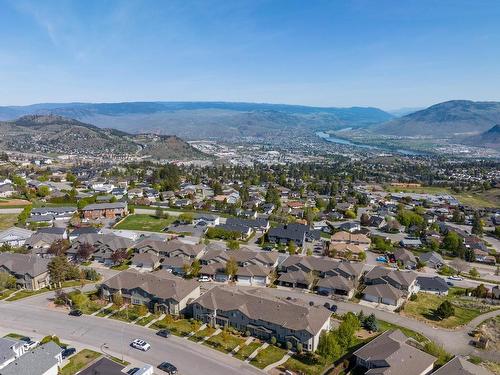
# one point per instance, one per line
(394, 356)
(260, 306)
(350, 237)
(145, 258)
(383, 291)
(298, 276)
(336, 282)
(404, 278)
(460, 366)
(160, 284)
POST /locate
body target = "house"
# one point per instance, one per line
(206, 220)
(169, 249)
(336, 285)
(495, 292)
(54, 213)
(345, 237)
(383, 293)
(406, 258)
(263, 316)
(83, 230)
(43, 360)
(175, 265)
(7, 190)
(10, 349)
(253, 275)
(411, 243)
(296, 279)
(105, 210)
(350, 226)
(432, 259)
(104, 245)
(343, 250)
(460, 366)
(285, 234)
(15, 236)
(389, 353)
(268, 208)
(433, 284)
(256, 224)
(30, 271)
(145, 261)
(160, 291)
(403, 280)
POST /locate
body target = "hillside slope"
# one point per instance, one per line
(456, 118)
(57, 134)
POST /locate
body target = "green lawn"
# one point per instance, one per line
(144, 222)
(7, 220)
(16, 336)
(246, 350)
(179, 327)
(27, 293)
(200, 335)
(426, 304)
(108, 311)
(269, 355)
(129, 314)
(384, 326)
(91, 307)
(304, 364)
(147, 319)
(6, 293)
(224, 342)
(79, 361)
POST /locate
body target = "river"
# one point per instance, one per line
(331, 138)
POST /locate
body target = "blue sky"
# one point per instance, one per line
(388, 54)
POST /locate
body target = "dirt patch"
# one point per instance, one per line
(14, 202)
(491, 330)
(363, 334)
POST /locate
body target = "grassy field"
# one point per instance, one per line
(7, 220)
(426, 304)
(225, 342)
(302, 364)
(79, 361)
(129, 314)
(148, 223)
(246, 350)
(384, 326)
(147, 319)
(266, 356)
(200, 335)
(488, 198)
(180, 327)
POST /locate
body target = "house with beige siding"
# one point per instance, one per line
(30, 271)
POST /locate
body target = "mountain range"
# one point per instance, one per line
(57, 134)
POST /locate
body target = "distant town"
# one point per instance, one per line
(250, 259)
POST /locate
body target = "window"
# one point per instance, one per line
(136, 301)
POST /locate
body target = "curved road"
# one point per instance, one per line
(32, 315)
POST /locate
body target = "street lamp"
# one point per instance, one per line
(104, 346)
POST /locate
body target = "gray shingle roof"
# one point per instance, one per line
(22, 264)
(35, 362)
(105, 206)
(460, 366)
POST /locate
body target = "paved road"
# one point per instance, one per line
(33, 316)
(5, 210)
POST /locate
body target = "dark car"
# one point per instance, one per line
(168, 368)
(75, 312)
(68, 352)
(331, 307)
(163, 333)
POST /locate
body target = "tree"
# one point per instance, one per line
(117, 299)
(370, 323)
(328, 346)
(452, 242)
(459, 265)
(43, 191)
(60, 270)
(233, 245)
(300, 348)
(119, 256)
(7, 281)
(59, 247)
(195, 268)
(445, 310)
(420, 264)
(24, 215)
(349, 214)
(346, 330)
(273, 340)
(231, 268)
(364, 219)
(362, 256)
(186, 217)
(474, 272)
(85, 250)
(159, 213)
(480, 292)
(477, 225)
(292, 248)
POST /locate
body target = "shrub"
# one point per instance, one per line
(273, 340)
(289, 345)
(445, 310)
(299, 347)
(413, 297)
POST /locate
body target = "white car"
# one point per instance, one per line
(140, 344)
(204, 279)
(456, 278)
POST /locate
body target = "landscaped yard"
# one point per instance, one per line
(384, 326)
(269, 355)
(108, 310)
(179, 327)
(147, 319)
(225, 342)
(305, 364)
(91, 307)
(200, 335)
(7, 220)
(129, 314)
(6, 293)
(27, 293)
(79, 361)
(246, 350)
(426, 304)
(145, 222)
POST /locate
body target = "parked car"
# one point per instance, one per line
(455, 278)
(330, 307)
(68, 352)
(168, 368)
(449, 283)
(75, 312)
(163, 333)
(381, 259)
(29, 343)
(140, 344)
(204, 279)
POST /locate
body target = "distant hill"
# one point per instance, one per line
(490, 138)
(57, 134)
(455, 119)
(207, 119)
